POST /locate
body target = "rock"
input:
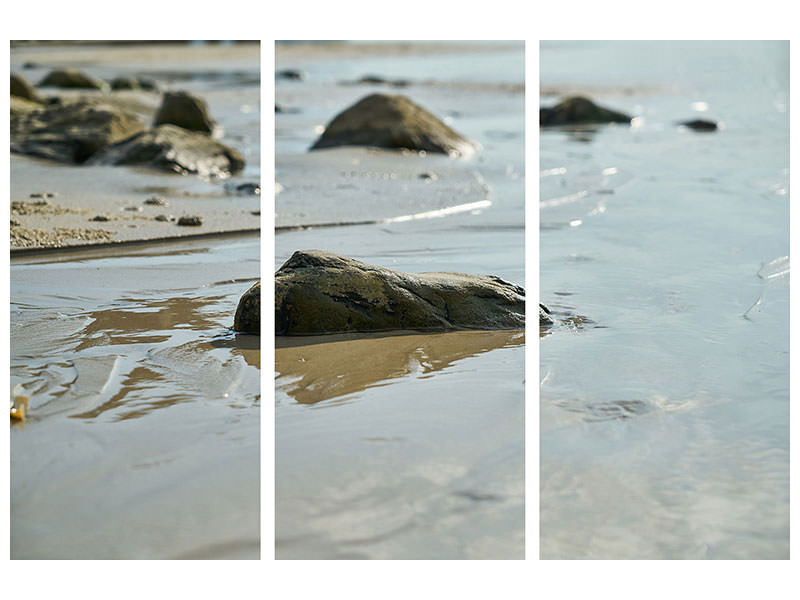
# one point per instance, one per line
(22, 88)
(579, 110)
(248, 313)
(291, 74)
(71, 131)
(392, 122)
(156, 201)
(184, 110)
(133, 83)
(319, 292)
(700, 125)
(71, 78)
(20, 106)
(545, 320)
(190, 221)
(172, 148)
(165, 218)
(101, 218)
(378, 80)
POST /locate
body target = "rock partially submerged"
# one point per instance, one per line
(545, 320)
(71, 78)
(184, 110)
(320, 292)
(248, 313)
(69, 131)
(578, 110)
(385, 121)
(700, 125)
(171, 148)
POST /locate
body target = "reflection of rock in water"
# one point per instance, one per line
(312, 369)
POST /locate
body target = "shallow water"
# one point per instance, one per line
(142, 439)
(408, 446)
(665, 422)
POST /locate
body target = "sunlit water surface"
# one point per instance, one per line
(142, 436)
(665, 420)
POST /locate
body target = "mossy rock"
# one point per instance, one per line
(248, 313)
(578, 110)
(385, 121)
(320, 292)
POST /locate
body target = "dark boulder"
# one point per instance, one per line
(172, 148)
(319, 292)
(69, 131)
(385, 121)
(71, 78)
(700, 125)
(578, 110)
(248, 314)
(22, 88)
(184, 110)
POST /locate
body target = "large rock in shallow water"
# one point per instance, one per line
(392, 122)
(171, 148)
(248, 313)
(578, 110)
(184, 110)
(319, 292)
(70, 131)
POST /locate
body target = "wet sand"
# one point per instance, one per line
(141, 438)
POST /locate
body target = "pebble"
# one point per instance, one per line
(191, 221)
(165, 218)
(101, 218)
(156, 201)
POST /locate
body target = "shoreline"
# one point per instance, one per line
(45, 250)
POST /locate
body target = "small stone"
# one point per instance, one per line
(44, 195)
(101, 218)
(165, 218)
(190, 221)
(291, 74)
(156, 201)
(133, 208)
(700, 125)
